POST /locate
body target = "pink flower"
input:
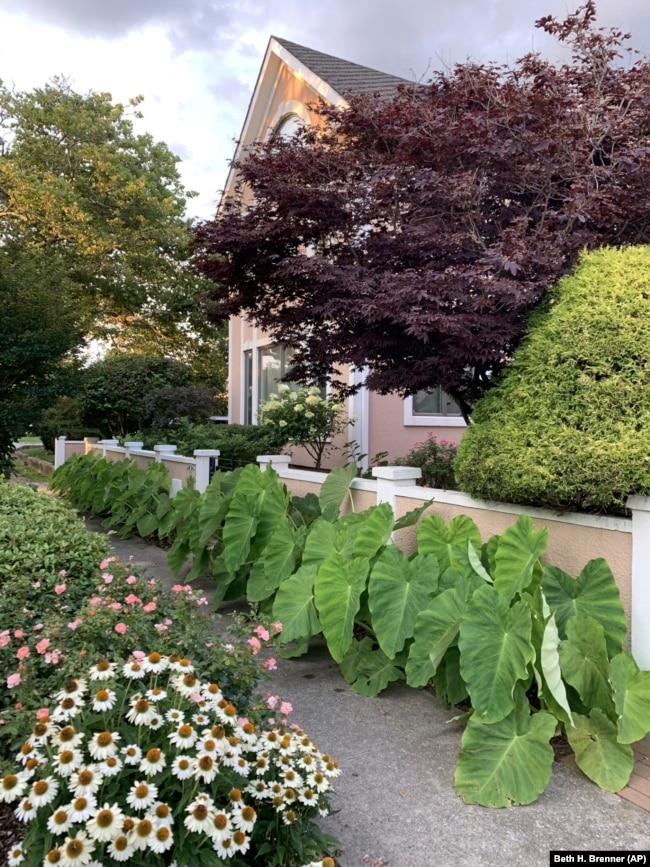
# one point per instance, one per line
(270, 664)
(38, 627)
(75, 623)
(23, 652)
(272, 701)
(104, 563)
(131, 579)
(42, 645)
(107, 577)
(196, 697)
(138, 654)
(167, 621)
(202, 601)
(4, 640)
(63, 573)
(115, 606)
(262, 633)
(255, 644)
(131, 599)
(36, 585)
(60, 588)
(19, 633)
(286, 707)
(149, 607)
(95, 600)
(177, 588)
(13, 680)
(42, 713)
(160, 627)
(242, 721)
(53, 657)
(121, 628)
(276, 627)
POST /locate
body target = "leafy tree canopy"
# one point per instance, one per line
(415, 235)
(93, 242)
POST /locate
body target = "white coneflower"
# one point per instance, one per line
(103, 745)
(141, 711)
(175, 716)
(76, 850)
(261, 765)
(318, 781)
(161, 839)
(76, 687)
(111, 766)
(28, 751)
(15, 855)
(120, 849)
(102, 670)
(67, 709)
(200, 720)
(142, 795)
(53, 857)
(67, 738)
(224, 847)
(67, 761)
(85, 781)
(155, 663)
(290, 817)
(187, 684)
(104, 700)
(141, 834)
(133, 670)
(308, 797)
(184, 737)
(12, 786)
(25, 811)
(156, 693)
(156, 722)
(106, 824)
(152, 762)
(331, 768)
(199, 817)
(132, 754)
(291, 778)
(82, 808)
(258, 790)
(59, 822)
(244, 817)
(206, 768)
(162, 813)
(183, 767)
(241, 842)
(221, 826)
(181, 665)
(43, 791)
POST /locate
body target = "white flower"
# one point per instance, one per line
(43, 791)
(82, 808)
(206, 768)
(199, 816)
(282, 423)
(156, 694)
(155, 663)
(75, 687)
(111, 766)
(15, 855)
(103, 745)
(244, 817)
(140, 836)
(184, 737)
(224, 847)
(103, 700)
(59, 822)
(106, 824)
(141, 711)
(142, 795)
(85, 781)
(67, 738)
(76, 850)
(120, 849)
(133, 670)
(161, 814)
(161, 840)
(25, 811)
(103, 670)
(132, 754)
(174, 715)
(66, 761)
(183, 767)
(153, 762)
(12, 786)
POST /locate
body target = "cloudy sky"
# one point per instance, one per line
(196, 61)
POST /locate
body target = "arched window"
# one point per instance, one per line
(289, 126)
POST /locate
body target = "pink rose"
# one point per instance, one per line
(270, 664)
(276, 627)
(63, 573)
(23, 652)
(42, 713)
(59, 589)
(131, 579)
(160, 627)
(107, 577)
(149, 607)
(286, 707)
(262, 633)
(272, 701)
(19, 633)
(131, 599)
(4, 640)
(121, 628)
(138, 654)
(53, 657)
(255, 644)
(42, 645)
(75, 623)
(38, 627)
(13, 680)
(115, 606)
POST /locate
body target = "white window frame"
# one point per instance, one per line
(412, 419)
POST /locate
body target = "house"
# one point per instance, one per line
(292, 77)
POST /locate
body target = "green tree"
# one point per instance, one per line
(93, 238)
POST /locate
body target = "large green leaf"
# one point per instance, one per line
(334, 489)
(550, 683)
(517, 554)
(397, 591)
(410, 519)
(631, 698)
(239, 529)
(323, 538)
(598, 754)
(367, 669)
(506, 762)
(374, 532)
(337, 590)
(584, 663)
(495, 650)
(294, 607)
(450, 687)
(436, 629)
(437, 538)
(281, 554)
(593, 594)
(212, 513)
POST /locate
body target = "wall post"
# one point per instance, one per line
(206, 460)
(59, 452)
(391, 479)
(640, 616)
(278, 462)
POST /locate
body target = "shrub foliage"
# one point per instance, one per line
(569, 424)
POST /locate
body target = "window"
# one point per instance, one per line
(274, 362)
(432, 407)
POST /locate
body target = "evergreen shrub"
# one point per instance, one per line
(568, 425)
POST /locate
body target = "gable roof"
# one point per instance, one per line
(343, 75)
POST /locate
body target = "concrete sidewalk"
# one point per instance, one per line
(396, 799)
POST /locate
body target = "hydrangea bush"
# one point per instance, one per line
(144, 762)
(304, 418)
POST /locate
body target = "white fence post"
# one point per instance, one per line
(89, 442)
(278, 462)
(206, 459)
(391, 479)
(163, 450)
(107, 444)
(59, 452)
(640, 615)
(133, 445)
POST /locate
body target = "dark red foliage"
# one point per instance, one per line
(415, 235)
